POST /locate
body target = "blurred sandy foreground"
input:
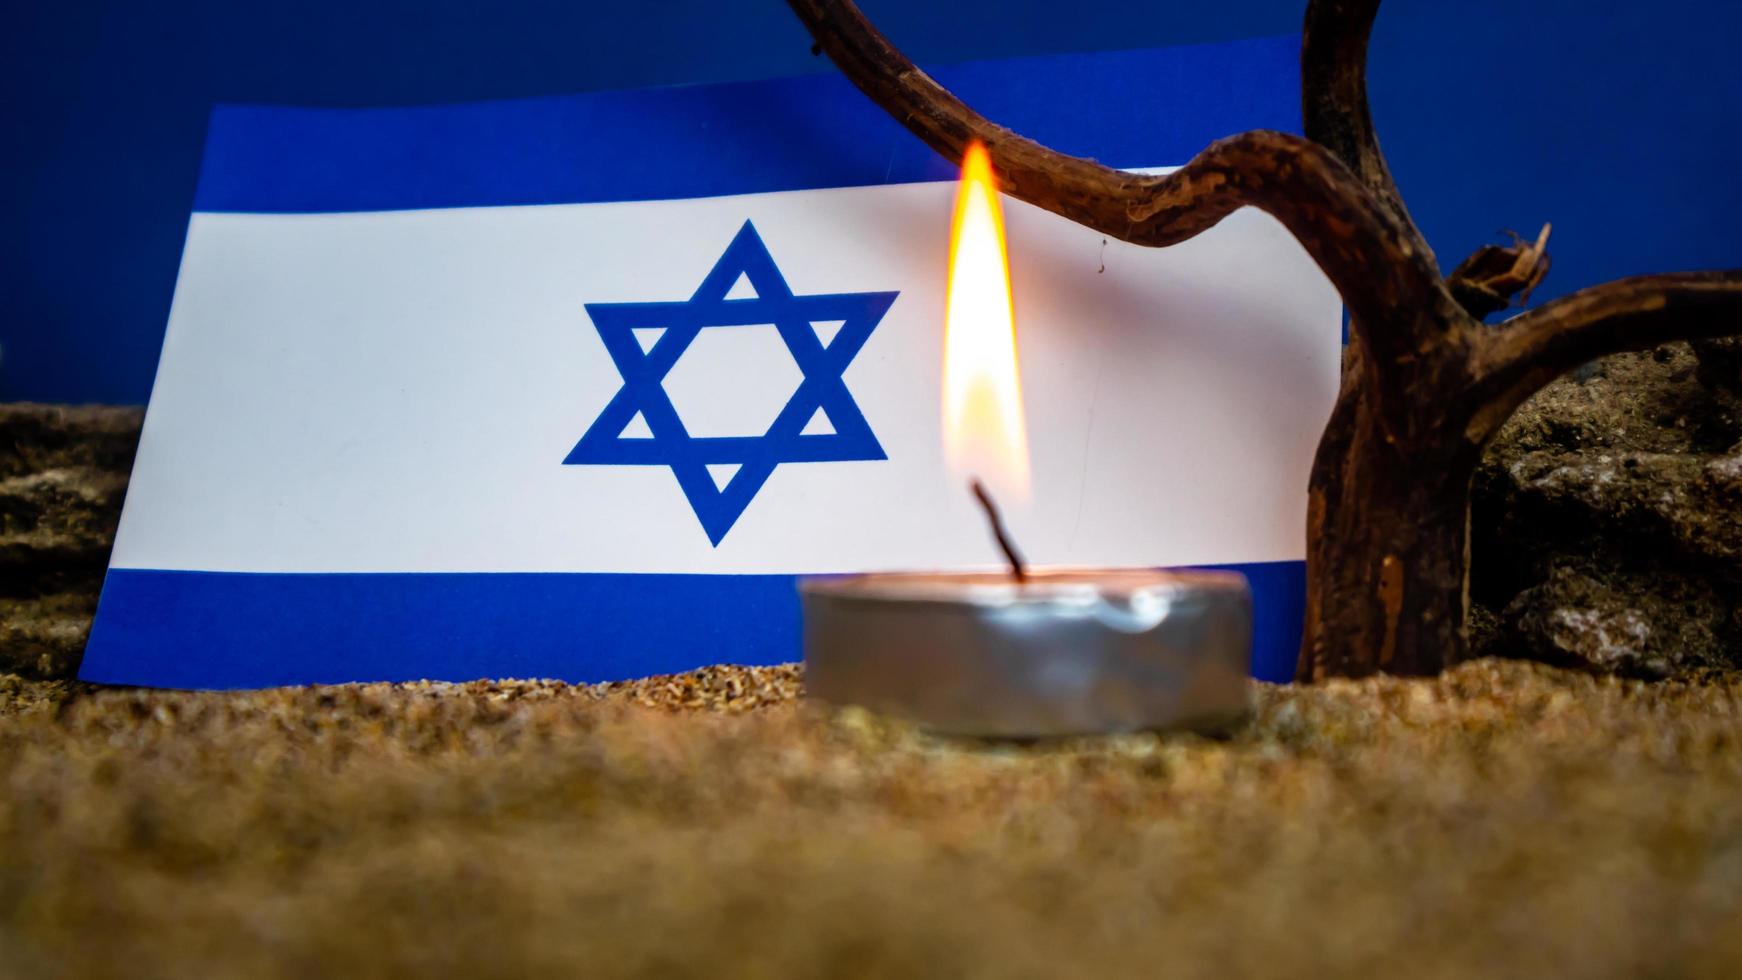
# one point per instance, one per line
(1503, 820)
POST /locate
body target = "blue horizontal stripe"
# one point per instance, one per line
(238, 630)
(1127, 109)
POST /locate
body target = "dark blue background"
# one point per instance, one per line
(1616, 121)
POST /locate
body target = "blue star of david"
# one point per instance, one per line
(823, 387)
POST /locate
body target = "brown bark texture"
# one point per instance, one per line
(1426, 384)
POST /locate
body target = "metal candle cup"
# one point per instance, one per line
(1030, 652)
(1065, 652)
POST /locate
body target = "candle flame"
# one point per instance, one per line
(985, 436)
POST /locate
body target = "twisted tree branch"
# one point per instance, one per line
(1366, 247)
(1533, 348)
(1425, 386)
(1334, 106)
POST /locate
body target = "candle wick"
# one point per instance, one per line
(1018, 567)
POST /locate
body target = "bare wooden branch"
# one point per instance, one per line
(1366, 248)
(1424, 386)
(1082, 190)
(1534, 348)
(1334, 107)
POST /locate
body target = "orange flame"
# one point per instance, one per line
(985, 436)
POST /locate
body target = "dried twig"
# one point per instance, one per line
(1489, 279)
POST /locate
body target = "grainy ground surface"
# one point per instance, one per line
(1503, 820)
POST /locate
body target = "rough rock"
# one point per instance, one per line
(63, 474)
(1608, 518)
(1720, 364)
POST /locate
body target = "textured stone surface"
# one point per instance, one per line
(1608, 518)
(63, 473)
(1503, 820)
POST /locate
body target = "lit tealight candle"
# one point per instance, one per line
(1027, 652)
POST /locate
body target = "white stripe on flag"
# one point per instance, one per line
(396, 391)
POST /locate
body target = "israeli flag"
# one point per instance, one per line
(576, 387)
